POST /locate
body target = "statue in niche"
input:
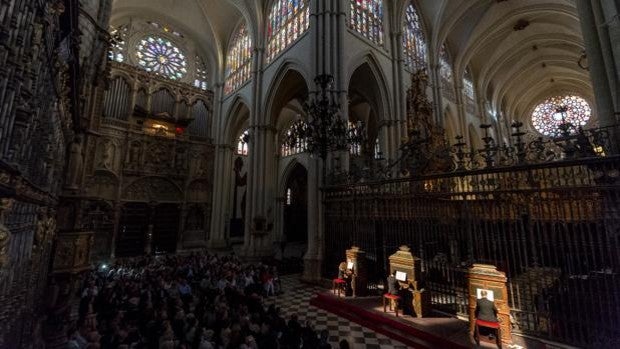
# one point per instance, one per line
(5, 239)
(194, 219)
(134, 154)
(5, 234)
(180, 160)
(74, 169)
(50, 223)
(107, 155)
(41, 229)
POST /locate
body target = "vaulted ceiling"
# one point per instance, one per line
(519, 51)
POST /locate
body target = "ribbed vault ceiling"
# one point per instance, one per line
(513, 69)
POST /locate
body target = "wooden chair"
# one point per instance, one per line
(339, 285)
(488, 324)
(392, 298)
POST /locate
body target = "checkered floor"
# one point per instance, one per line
(295, 300)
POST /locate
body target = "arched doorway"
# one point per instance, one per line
(295, 229)
(150, 216)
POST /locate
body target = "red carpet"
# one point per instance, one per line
(385, 325)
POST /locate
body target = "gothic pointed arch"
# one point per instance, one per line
(379, 93)
(236, 120)
(290, 85)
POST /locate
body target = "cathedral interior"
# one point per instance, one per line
(249, 147)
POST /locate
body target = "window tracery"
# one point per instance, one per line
(300, 145)
(446, 75)
(238, 60)
(242, 143)
(160, 56)
(468, 92)
(118, 43)
(414, 41)
(288, 19)
(571, 110)
(201, 76)
(366, 17)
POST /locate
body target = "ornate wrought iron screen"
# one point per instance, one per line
(554, 228)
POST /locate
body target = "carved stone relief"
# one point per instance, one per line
(107, 158)
(152, 189)
(103, 185)
(198, 191)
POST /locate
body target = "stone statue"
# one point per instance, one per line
(107, 155)
(50, 223)
(74, 169)
(5, 240)
(181, 159)
(41, 229)
(5, 234)
(134, 154)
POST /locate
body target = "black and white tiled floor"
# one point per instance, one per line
(296, 300)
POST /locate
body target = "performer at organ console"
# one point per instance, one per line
(393, 285)
(345, 272)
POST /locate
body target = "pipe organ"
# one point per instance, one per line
(148, 151)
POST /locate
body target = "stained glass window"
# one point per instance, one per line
(366, 17)
(162, 57)
(570, 110)
(200, 79)
(377, 150)
(301, 145)
(468, 92)
(165, 28)
(414, 42)
(445, 74)
(238, 60)
(242, 143)
(118, 43)
(288, 19)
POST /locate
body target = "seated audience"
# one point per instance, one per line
(199, 301)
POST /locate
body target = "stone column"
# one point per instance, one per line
(437, 95)
(399, 130)
(600, 59)
(182, 216)
(221, 196)
(117, 216)
(148, 241)
(461, 112)
(313, 258)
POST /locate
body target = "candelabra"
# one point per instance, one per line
(325, 130)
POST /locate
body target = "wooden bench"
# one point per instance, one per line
(339, 285)
(488, 324)
(392, 298)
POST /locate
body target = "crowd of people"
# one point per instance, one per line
(198, 301)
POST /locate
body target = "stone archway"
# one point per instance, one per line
(295, 212)
(150, 216)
